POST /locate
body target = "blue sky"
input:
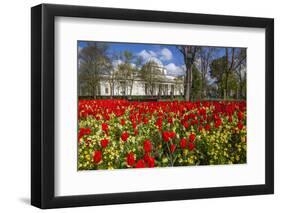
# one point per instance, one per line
(165, 55)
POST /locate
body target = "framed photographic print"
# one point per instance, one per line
(140, 106)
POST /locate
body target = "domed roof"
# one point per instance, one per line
(156, 60)
(159, 64)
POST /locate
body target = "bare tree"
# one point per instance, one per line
(125, 72)
(233, 64)
(240, 70)
(93, 65)
(228, 68)
(205, 55)
(151, 73)
(111, 81)
(189, 54)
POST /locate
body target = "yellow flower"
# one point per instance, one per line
(165, 160)
(185, 152)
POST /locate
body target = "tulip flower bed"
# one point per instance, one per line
(115, 134)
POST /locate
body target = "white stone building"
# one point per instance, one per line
(140, 88)
(165, 85)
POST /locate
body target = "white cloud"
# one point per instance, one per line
(146, 55)
(152, 53)
(175, 70)
(115, 63)
(163, 55)
(166, 54)
(133, 65)
(150, 56)
(157, 61)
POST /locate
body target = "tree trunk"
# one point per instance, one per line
(131, 88)
(226, 74)
(222, 91)
(188, 83)
(202, 93)
(111, 90)
(240, 89)
(94, 92)
(189, 56)
(187, 86)
(240, 84)
(226, 86)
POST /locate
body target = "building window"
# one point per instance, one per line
(146, 89)
(166, 89)
(106, 90)
(160, 89)
(153, 89)
(172, 89)
(123, 88)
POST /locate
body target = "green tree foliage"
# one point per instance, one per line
(229, 72)
(217, 70)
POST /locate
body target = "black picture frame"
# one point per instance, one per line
(43, 105)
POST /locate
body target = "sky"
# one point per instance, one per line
(167, 56)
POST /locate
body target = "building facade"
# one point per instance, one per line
(140, 88)
(110, 85)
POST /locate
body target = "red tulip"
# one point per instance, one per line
(140, 164)
(207, 127)
(150, 162)
(104, 127)
(173, 147)
(122, 122)
(183, 143)
(166, 136)
(124, 136)
(104, 143)
(131, 159)
(97, 156)
(147, 146)
(191, 146)
(192, 137)
(240, 125)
